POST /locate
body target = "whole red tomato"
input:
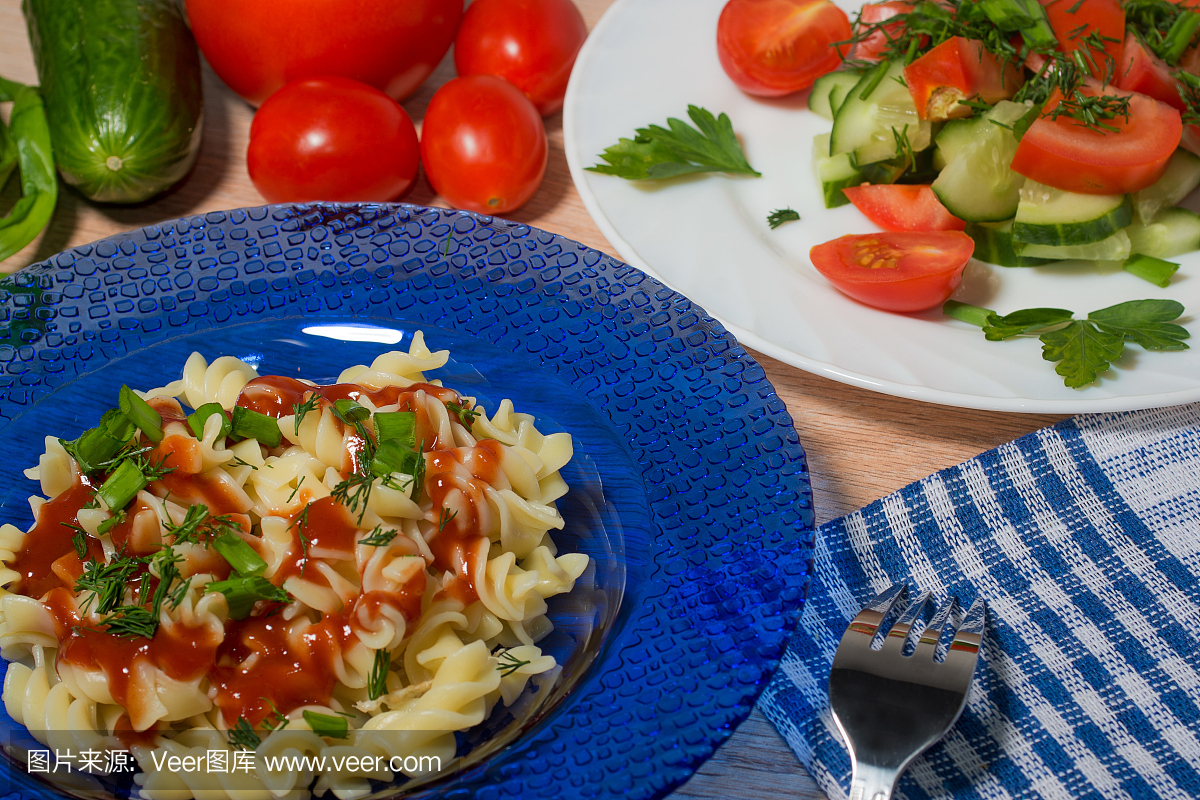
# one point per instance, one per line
(776, 47)
(531, 43)
(331, 139)
(483, 144)
(256, 46)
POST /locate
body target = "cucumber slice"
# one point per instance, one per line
(834, 172)
(954, 138)
(1115, 248)
(994, 244)
(1174, 231)
(829, 90)
(1182, 175)
(1057, 218)
(868, 127)
(978, 185)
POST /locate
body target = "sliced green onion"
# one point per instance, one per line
(391, 456)
(117, 425)
(122, 486)
(400, 426)
(1180, 36)
(139, 412)
(197, 419)
(97, 445)
(242, 592)
(110, 523)
(1151, 269)
(239, 554)
(327, 725)
(349, 411)
(253, 425)
(965, 312)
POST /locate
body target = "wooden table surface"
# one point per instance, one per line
(861, 445)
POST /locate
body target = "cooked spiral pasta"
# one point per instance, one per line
(352, 573)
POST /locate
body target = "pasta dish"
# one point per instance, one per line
(236, 563)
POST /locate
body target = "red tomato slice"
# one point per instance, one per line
(1073, 21)
(1142, 71)
(904, 272)
(775, 47)
(1066, 155)
(871, 47)
(898, 207)
(958, 69)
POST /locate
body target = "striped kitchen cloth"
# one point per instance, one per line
(1084, 538)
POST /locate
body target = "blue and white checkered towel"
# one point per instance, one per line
(1084, 538)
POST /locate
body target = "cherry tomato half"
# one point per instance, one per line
(1066, 155)
(483, 144)
(873, 45)
(903, 207)
(531, 43)
(331, 139)
(775, 47)
(895, 271)
(256, 46)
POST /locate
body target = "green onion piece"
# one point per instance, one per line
(1180, 36)
(391, 456)
(400, 426)
(97, 445)
(965, 312)
(253, 425)
(327, 725)
(197, 419)
(110, 523)
(242, 592)
(1151, 269)
(117, 425)
(239, 554)
(349, 411)
(876, 79)
(122, 486)
(139, 412)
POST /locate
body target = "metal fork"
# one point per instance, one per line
(890, 707)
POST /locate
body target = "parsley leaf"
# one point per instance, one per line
(1029, 320)
(656, 152)
(1083, 352)
(1144, 322)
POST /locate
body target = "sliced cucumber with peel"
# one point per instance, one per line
(1177, 182)
(1115, 248)
(1059, 218)
(994, 244)
(868, 127)
(978, 185)
(834, 172)
(829, 90)
(1175, 231)
(953, 138)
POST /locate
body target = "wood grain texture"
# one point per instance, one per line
(861, 445)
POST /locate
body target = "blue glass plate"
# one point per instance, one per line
(689, 487)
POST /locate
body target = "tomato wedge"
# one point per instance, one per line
(1142, 71)
(775, 47)
(1073, 22)
(900, 207)
(959, 69)
(903, 272)
(1065, 154)
(871, 47)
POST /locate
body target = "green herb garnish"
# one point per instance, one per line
(300, 410)
(242, 592)
(327, 725)
(679, 149)
(379, 537)
(780, 216)
(377, 682)
(242, 735)
(131, 622)
(508, 662)
(1148, 268)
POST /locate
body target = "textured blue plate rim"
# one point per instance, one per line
(763, 475)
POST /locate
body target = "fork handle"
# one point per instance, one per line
(872, 783)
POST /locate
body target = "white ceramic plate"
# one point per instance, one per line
(707, 237)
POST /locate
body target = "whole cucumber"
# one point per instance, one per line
(121, 81)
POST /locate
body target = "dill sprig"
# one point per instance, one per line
(1164, 28)
(198, 526)
(300, 410)
(377, 682)
(276, 720)
(1189, 89)
(444, 518)
(104, 584)
(780, 216)
(466, 416)
(379, 537)
(508, 663)
(131, 622)
(242, 735)
(354, 492)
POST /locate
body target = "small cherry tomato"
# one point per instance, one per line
(530, 43)
(895, 271)
(775, 47)
(331, 139)
(903, 207)
(483, 144)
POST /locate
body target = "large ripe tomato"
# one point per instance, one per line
(331, 139)
(776, 47)
(896, 271)
(1065, 154)
(1073, 22)
(531, 43)
(1142, 71)
(256, 46)
(901, 207)
(483, 144)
